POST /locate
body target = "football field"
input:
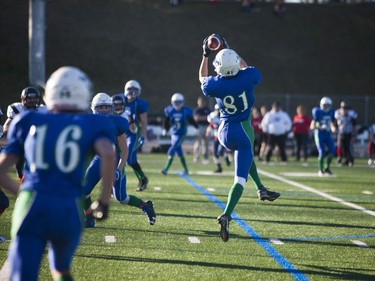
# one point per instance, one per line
(321, 228)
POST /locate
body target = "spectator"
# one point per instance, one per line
(177, 117)
(276, 123)
(301, 128)
(264, 136)
(201, 144)
(371, 145)
(346, 120)
(256, 120)
(322, 123)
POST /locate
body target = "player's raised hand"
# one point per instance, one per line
(206, 50)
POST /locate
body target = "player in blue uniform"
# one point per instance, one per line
(177, 117)
(49, 203)
(137, 108)
(102, 104)
(233, 89)
(323, 126)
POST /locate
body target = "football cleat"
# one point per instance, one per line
(142, 185)
(224, 220)
(185, 173)
(164, 172)
(265, 194)
(327, 172)
(148, 209)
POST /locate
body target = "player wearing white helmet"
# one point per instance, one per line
(323, 125)
(233, 89)
(137, 110)
(177, 118)
(102, 104)
(55, 145)
(30, 100)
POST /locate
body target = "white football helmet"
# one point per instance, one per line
(227, 62)
(132, 89)
(177, 101)
(68, 88)
(101, 99)
(325, 104)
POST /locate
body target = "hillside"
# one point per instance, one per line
(314, 50)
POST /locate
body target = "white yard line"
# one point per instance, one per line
(320, 193)
(5, 272)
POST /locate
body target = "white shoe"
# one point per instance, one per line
(320, 174)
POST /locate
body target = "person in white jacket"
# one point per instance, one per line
(276, 123)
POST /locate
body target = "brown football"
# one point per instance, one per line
(213, 43)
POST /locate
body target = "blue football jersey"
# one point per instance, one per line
(178, 119)
(56, 148)
(323, 118)
(234, 95)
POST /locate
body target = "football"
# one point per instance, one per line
(213, 43)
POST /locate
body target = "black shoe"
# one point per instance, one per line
(227, 161)
(327, 172)
(224, 220)
(148, 209)
(265, 194)
(142, 185)
(218, 170)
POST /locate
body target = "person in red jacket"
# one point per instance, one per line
(301, 124)
(256, 119)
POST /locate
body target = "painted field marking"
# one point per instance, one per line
(320, 193)
(157, 188)
(5, 271)
(360, 243)
(194, 240)
(280, 259)
(367, 192)
(276, 241)
(110, 239)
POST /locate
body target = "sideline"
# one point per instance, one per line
(280, 259)
(320, 193)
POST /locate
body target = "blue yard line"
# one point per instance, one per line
(280, 259)
(328, 238)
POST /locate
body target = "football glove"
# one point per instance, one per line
(224, 43)
(206, 50)
(99, 210)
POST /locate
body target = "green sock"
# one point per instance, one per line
(183, 162)
(135, 201)
(320, 163)
(329, 160)
(253, 172)
(234, 196)
(169, 163)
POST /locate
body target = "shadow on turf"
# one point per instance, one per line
(310, 223)
(338, 274)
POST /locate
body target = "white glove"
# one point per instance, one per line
(164, 132)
